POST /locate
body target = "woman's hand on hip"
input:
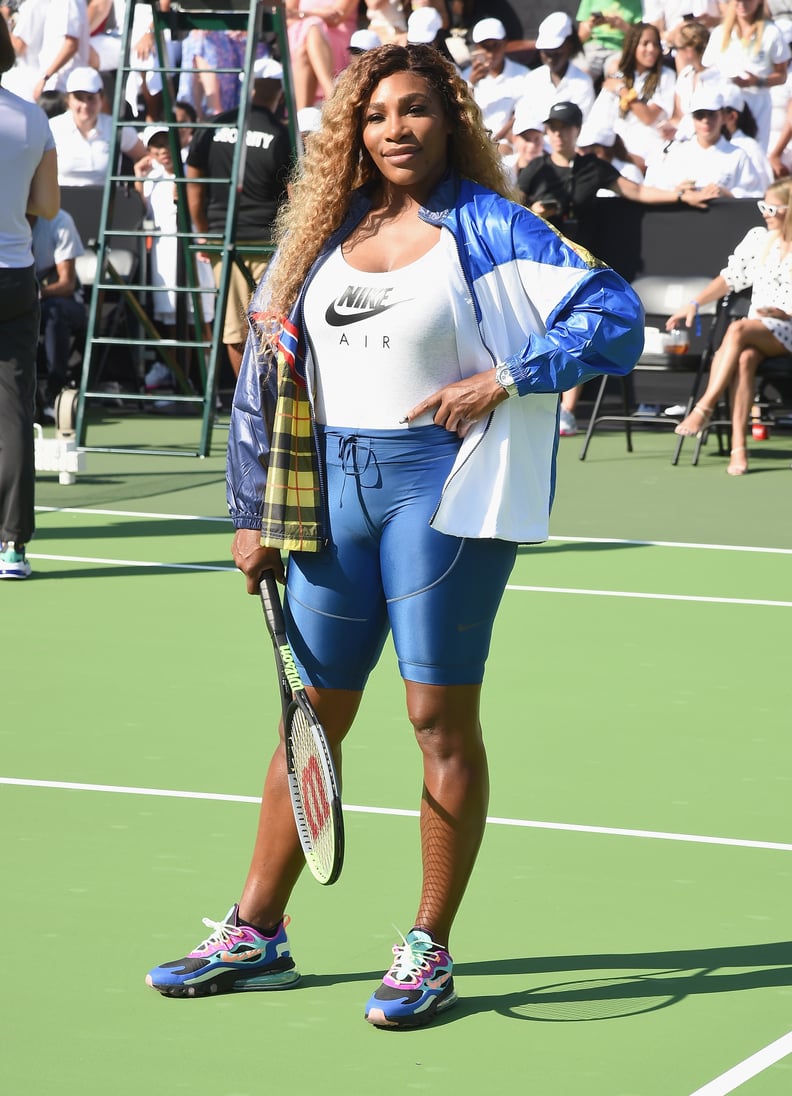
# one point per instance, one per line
(457, 406)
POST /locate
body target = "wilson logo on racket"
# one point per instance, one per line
(315, 803)
(292, 676)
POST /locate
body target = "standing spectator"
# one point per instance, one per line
(51, 38)
(496, 80)
(708, 158)
(602, 30)
(56, 247)
(739, 127)
(558, 79)
(30, 186)
(84, 133)
(267, 165)
(692, 39)
(752, 53)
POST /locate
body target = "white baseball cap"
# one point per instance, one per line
(309, 120)
(423, 25)
(267, 68)
(152, 131)
(364, 39)
(593, 134)
(554, 30)
(707, 96)
(488, 28)
(732, 95)
(84, 79)
(526, 117)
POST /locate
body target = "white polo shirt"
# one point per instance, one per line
(82, 161)
(722, 163)
(42, 25)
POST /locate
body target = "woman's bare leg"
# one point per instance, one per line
(742, 396)
(455, 797)
(277, 855)
(740, 335)
(320, 56)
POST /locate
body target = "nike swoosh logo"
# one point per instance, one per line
(341, 319)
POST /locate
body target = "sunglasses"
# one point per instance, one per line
(767, 209)
(700, 115)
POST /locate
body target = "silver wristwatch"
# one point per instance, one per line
(505, 379)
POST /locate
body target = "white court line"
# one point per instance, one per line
(170, 793)
(744, 1071)
(571, 540)
(641, 595)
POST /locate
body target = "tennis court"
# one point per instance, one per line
(627, 930)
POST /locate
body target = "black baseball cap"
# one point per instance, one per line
(569, 114)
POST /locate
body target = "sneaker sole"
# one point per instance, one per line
(377, 1018)
(214, 987)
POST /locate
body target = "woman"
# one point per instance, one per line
(752, 53)
(84, 135)
(692, 41)
(762, 260)
(433, 321)
(638, 92)
(319, 37)
(30, 186)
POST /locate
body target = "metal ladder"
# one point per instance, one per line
(256, 18)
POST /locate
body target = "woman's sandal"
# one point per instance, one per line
(703, 415)
(737, 468)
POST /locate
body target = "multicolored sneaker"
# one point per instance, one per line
(417, 986)
(234, 958)
(13, 561)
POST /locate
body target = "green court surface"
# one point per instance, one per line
(627, 929)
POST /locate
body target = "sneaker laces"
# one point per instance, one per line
(411, 959)
(224, 932)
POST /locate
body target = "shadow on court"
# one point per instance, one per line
(625, 985)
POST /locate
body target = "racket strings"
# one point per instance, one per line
(315, 819)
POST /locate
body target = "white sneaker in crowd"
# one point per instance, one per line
(567, 424)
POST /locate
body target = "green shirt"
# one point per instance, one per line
(630, 10)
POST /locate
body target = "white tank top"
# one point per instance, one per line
(380, 343)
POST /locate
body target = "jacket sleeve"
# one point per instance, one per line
(250, 429)
(598, 328)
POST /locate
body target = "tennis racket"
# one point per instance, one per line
(313, 784)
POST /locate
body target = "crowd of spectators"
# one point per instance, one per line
(661, 101)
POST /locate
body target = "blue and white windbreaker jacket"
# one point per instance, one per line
(525, 297)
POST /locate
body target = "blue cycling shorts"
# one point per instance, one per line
(385, 568)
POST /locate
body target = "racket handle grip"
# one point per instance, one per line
(271, 603)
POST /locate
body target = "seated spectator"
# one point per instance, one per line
(692, 39)
(637, 93)
(561, 186)
(602, 29)
(760, 261)
(158, 190)
(319, 35)
(56, 245)
(84, 135)
(739, 127)
(204, 51)
(708, 159)
(609, 147)
(672, 16)
(752, 53)
(527, 138)
(51, 39)
(496, 80)
(360, 41)
(388, 20)
(425, 27)
(557, 79)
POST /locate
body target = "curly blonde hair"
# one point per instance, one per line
(336, 161)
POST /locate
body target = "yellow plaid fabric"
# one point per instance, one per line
(292, 511)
